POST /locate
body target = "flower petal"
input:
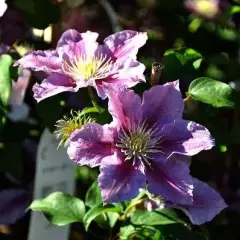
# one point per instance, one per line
(171, 180)
(126, 43)
(101, 89)
(207, 203)
(19, 88)
(54, 84)
(77, 45)
(124, 105)
(3, 8)
(72, 35)
(13, 205)
(186, 137)
(90, 144)
(119, 180)
(129, 74)
(162, 104)
(47, 61)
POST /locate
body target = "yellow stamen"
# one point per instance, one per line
(23, 48)
(67, 125)
(84, 68)
(206, 7)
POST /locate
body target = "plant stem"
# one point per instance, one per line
(130, 208)
(187, 98)
(93, 100)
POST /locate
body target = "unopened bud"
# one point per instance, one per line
(156, 73)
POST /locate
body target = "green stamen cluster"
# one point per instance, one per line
(67, 125)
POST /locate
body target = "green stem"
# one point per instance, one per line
(187, 98)
(130, 208)
(93, 100)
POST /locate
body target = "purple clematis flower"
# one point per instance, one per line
(207, 203)
(12, 26)
(143, 144)
(13, 203)
(79, 61)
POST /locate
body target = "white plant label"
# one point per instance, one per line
(54, 172)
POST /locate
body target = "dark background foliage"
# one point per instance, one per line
(169, 25)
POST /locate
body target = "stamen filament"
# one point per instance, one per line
(139, 143)
(85, 68)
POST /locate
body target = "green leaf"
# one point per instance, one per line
(228, 34)
(85, 174)
(210, 91)
(184, 55)
(96, 211)
(139, 232)
(181, 63)
(195, 24)
(5, 78)
(112, 218)
(126, 231)
(228, 13)
(93, 196)
(60, 208)
(160, 217)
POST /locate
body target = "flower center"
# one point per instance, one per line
(84, 68)
(206, 7)
(139, 143)
(67, 125)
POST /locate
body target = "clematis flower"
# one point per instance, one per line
(206, 8)
(3, 7)
(12, 26)
(13, 205)
(19, 110)
(207, 203)
(79, 61)
(143, 145)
